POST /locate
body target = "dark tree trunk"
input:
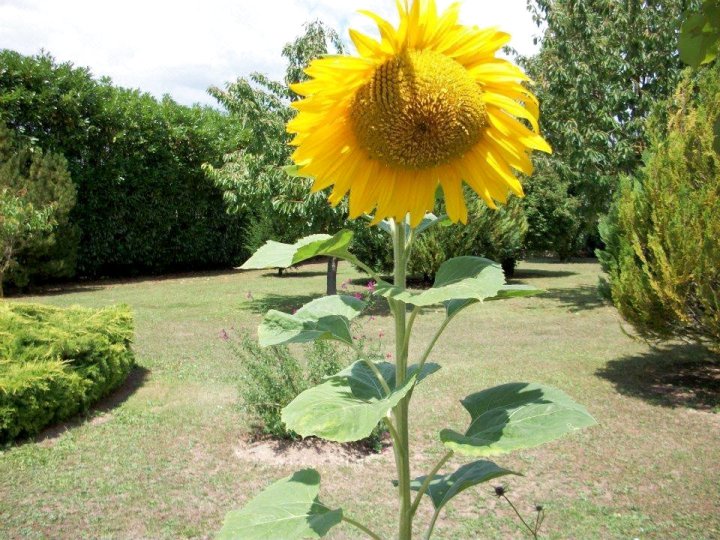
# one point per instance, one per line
(332, 266)
(508, 266)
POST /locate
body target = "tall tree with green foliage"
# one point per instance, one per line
(662, 255)
(255, 178)
(601, 67)
(36, 195)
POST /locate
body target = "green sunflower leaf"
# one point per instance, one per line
(516, 416)
(324, 318)
(444, 487)
(347, 406)
(289, 509)
(457, 281)
(278, 255)
(506, 291)
(700, 35)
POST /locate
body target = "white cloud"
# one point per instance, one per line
(181, 48)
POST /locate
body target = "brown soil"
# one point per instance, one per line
(310, 452)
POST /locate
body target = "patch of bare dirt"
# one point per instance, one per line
(308, 452)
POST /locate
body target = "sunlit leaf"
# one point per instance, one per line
(289, 509)
(347, 406)
(515, 416)
(324, 318)
(278, 255)
(460, 278)
(444, 487)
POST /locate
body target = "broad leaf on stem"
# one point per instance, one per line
(324, 318)
(506, 291)
(515, 416)
(699, 39)
(444, 487)
(347, 406)
(289, 509)
(459, 282)
(278, 255)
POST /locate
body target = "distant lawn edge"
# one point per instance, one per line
(57, 362)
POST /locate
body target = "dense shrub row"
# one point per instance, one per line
(143, 203)
(56, 362)
(662, 254)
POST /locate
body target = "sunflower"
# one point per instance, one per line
(426, 105)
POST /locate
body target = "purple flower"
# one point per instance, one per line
(371, 286)
(358, 295)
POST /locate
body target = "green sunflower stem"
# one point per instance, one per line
(400, 412)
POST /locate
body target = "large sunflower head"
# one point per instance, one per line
(427, 104)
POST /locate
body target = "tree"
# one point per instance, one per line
(36, 193)
(601, 67)
(255, 178)
(661, 255)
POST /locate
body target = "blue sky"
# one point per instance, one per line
(181, 48)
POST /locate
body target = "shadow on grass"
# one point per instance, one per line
(290, 273)
(526, 273)
(280, 302)
(56, 290)
(72, 287)
(114, 399)
(290, 303)
(680, 375)
(583, 298)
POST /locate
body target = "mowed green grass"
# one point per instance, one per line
(162, 458)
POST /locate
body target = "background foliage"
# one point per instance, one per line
(42, 194)
(143, 202)
(601, 67)
(662, 254)
(494, 234)
(56, 362)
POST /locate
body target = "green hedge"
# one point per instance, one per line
(56, 362)
(144, 204)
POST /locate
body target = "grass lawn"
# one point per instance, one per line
(167, 456)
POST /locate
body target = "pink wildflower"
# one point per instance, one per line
(381, 334)
(371, 286)
(358, 295)
(388, 356)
